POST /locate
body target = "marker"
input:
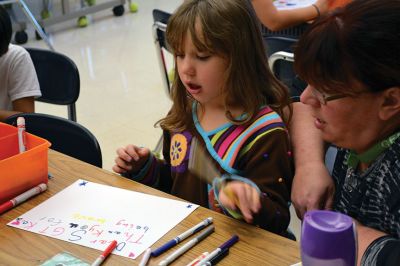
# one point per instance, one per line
(145, 258)
(219, 250)
(198, 259)
(23, 197)
(104, 255)
(186, 247)
(21, 134)
(181, 237)
(218, 258)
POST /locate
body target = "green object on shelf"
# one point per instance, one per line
(83, 21)
(91, 2)
(171, 75)
(45, 14)
(133, 7)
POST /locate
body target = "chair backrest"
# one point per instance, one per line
(292, 32)
(281, 64)
(280, 59)
(66, 136)
(278, 43)
(58, 79)
(160, 20)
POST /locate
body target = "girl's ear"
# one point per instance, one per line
(391, 103)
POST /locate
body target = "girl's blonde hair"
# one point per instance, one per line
(231, 30)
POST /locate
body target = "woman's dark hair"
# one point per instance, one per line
(353, 48)
(5, 30)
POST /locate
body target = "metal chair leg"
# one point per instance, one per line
(34, 22)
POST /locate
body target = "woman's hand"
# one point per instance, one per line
(312, 188)
(239, 195)
(130, 159)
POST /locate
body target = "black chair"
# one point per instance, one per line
(280, 59)
(66, 136)
(58, 78)
(160, 20)
(278, 43)
(292, 32)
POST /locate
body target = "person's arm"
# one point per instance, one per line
(141, 165)
(23, 105)
(275, 19)
(376, 247)
(312, 187)
(267, 166)
(22, 83)
(383, 251)
(366, 236)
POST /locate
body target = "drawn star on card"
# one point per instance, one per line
(189, 206)
(83, 183)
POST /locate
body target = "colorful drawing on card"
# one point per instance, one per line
(292, 4)
(92, 215)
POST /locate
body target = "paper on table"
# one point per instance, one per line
(92, 215)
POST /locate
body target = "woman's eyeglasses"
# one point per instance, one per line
(323, 98)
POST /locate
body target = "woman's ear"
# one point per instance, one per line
(391, 103)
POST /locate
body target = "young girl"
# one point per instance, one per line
(226, 98)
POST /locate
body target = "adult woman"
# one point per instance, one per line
(351, 61)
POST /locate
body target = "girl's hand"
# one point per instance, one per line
(130, 159)
(238, 195)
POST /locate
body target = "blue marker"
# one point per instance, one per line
(188, 245)
(219, 250)
(181, 237)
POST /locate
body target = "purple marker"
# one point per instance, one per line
(219, 250)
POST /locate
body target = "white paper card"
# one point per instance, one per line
(92, 215)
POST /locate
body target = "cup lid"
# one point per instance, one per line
(328, 221)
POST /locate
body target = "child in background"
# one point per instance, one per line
(18, 81)
(275, 19)
(226, 97)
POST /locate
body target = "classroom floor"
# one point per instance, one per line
(121, 90)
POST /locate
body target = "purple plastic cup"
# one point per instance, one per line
(328, 238)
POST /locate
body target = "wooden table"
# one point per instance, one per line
(19, 247)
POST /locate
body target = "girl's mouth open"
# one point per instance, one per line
(193, 88)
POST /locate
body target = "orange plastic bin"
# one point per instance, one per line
(20, 172)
